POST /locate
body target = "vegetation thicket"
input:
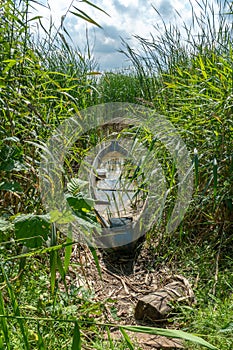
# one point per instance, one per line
(183, 72)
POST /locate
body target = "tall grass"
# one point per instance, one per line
(45, 80)
(186, 72)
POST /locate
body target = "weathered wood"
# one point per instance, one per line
(157, 305)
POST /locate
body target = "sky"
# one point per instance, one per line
(125, 19)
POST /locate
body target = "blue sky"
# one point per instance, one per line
(125, 19)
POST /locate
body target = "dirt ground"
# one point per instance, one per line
(124, 281)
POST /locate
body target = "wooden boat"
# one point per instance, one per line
(119, 203)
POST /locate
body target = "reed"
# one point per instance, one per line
(186, 74)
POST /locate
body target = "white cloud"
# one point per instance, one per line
(126, 19)
(128, 3)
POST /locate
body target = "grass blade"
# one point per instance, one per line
(196, 162)
(96, 259)
(84, 16)
(76, 344)
(127, 339)
(41, 344)
(3, 322)
(16, 310)
(215, 173)
(53, 267)
(170, 333)
(68, 250)
(62, 271)
(110, 339)
(53, 260)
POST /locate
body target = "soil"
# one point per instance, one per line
(123, 282)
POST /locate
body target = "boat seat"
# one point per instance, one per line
(117, 222)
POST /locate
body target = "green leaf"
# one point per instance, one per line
(80, 203)
(64, 217)
(170, 333)
(82, 208)
(76, 344)
(11, 187)
(11, 63)
(11, 158)
(35, 18)
(85, 17)
(94, 73)
(75, 185)
(7, 165)
(32, 229)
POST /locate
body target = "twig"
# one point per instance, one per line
(119, 278)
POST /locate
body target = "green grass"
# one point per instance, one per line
(45, 80)
(209, 271)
